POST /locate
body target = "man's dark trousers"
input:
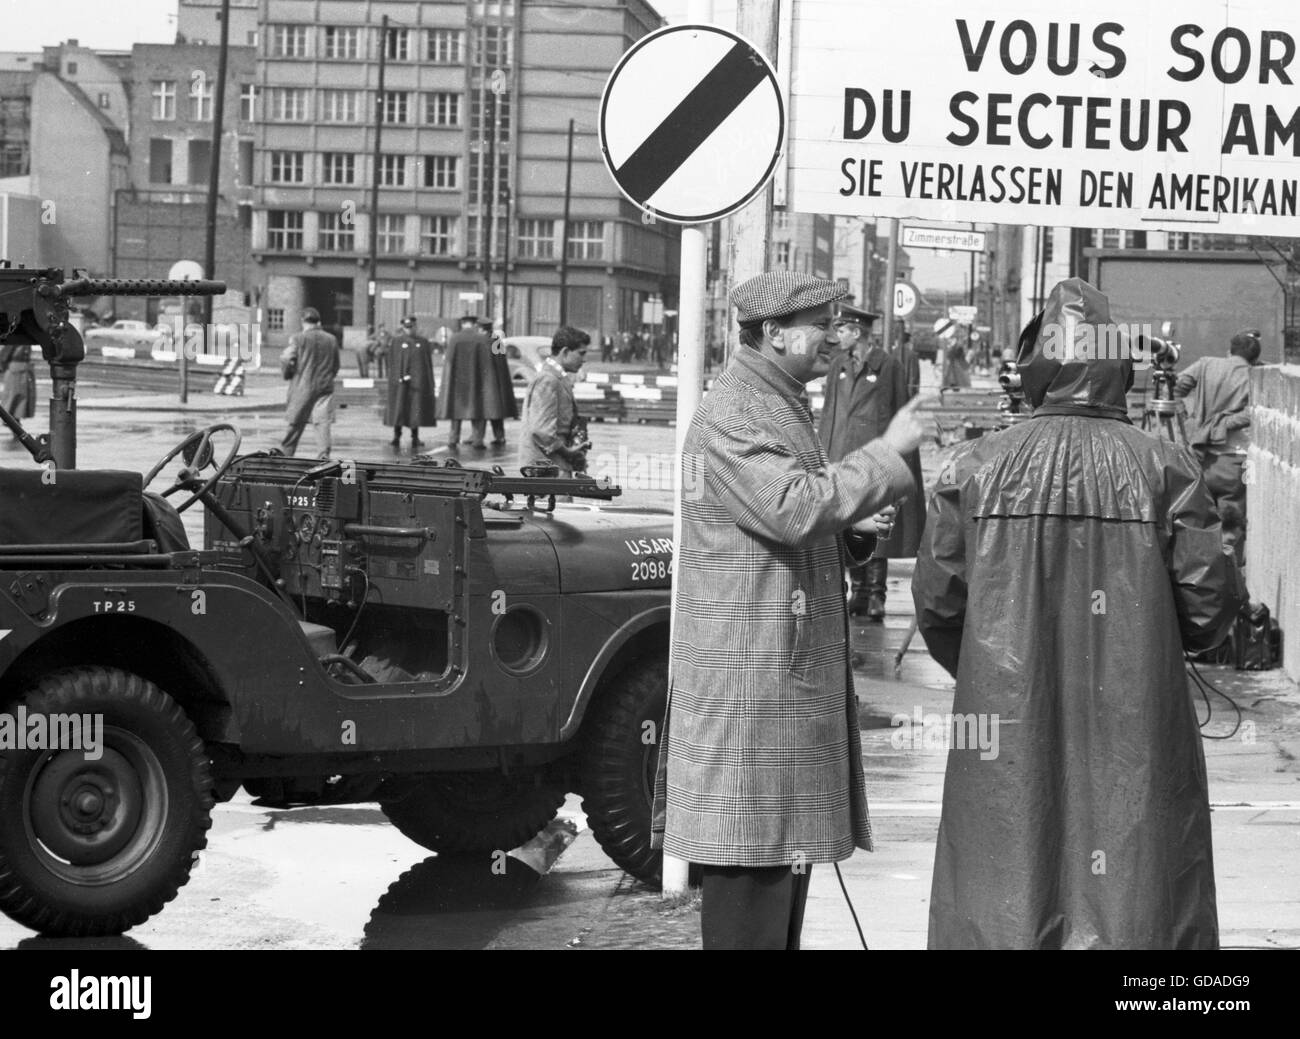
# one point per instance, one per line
(754, 907)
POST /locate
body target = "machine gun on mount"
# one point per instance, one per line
(34, 311)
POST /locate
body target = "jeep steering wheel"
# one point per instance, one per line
(197, 452)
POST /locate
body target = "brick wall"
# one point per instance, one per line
(1273, 502)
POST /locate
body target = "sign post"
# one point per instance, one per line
(692, 123)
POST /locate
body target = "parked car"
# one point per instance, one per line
(525, 355)
(124, 333)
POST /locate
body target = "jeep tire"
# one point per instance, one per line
(471, 812)
(96, 846)
(619, 756)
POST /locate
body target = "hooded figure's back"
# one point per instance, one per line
(1066, 561)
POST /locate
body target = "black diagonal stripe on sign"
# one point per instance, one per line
(689, 125)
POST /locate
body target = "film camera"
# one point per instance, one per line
(1012, 407)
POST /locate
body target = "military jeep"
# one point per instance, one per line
(459, 645)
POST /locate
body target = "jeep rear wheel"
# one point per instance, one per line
(96, 839)
(471, 812)
(618, 765)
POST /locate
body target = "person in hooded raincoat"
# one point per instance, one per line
(471, 388)
(1067, 562)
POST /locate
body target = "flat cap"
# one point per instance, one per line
(856, 315)
(781, 293)
(311, 314)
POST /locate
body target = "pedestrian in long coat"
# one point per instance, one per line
(1067, 562)
(310, 362)
(470, 385)
(865, 388)
(410, 384)
(760, 761)
(19, 387)
(505, 384)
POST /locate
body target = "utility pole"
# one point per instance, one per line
(373, 288)
(214, 189)
(505, 271)
(489, 167)
(564, 237)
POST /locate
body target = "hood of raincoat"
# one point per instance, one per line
(1073, 360)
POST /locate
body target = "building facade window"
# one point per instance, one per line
(342, 43)
(335, 235)
(586, 240)
(287, 168)
(399, 44)
(284, 230)
(437, 235)
(501, 119)
(782, 255)
(474, 237)
(201, 99)
(445, 47)
(275, 319)
(442, 109)
(248, 102)
(397, 106)
(160, 160)
(536, 239)
(340, 106)
(392, 171)
(492, 46)
(104, 100)
(442, 172)
(164, 99)
(287, 104)
(338, 168)
(392, 233)
(288, 41)
(502, 163)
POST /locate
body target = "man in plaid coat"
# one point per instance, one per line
(760, 764)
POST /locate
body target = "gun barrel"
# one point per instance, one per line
(139, 287)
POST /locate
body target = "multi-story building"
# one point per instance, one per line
(477, 103)
(161, 217)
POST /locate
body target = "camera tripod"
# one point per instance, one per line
(1163, 415)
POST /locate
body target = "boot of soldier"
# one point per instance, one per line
(876, 576)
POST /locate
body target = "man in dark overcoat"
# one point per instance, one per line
(760, 760)
(410, 384)
(865, 388)
(505, 385)
(470, 386)
(310, 362)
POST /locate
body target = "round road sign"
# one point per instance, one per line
(185, 270)
(904, 299)
(692, 123)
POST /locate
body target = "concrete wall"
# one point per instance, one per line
(1273, 502)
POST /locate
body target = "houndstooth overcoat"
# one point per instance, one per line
(760, 760)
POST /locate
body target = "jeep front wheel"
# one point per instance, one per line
(98, 836)
(620, 755)
(470, 812)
